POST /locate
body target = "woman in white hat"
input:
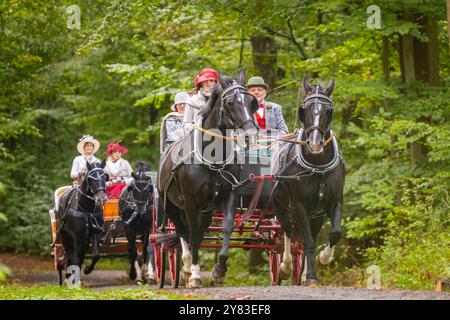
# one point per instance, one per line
(172, 124)
(87, 147)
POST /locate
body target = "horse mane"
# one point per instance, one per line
(215, 94)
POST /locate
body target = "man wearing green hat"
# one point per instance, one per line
(269, 116)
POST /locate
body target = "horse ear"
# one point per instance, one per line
(307, 86)
(221, 80)
(330, 87)
(103, 164)
(134, 175)
(242, 76)
(88, 166)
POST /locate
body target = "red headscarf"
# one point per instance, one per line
(115, 146)
(206, 74)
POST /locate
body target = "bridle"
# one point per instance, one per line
(235, 89)
(328, 103)
(99, 175)
(147, 186)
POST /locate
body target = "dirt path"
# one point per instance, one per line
(31, 270)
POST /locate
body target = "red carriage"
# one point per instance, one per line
(255, 226)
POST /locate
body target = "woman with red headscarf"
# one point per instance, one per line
(204, 83)
(118, 169)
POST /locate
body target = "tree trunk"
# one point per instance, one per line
(420, 61)
(448, 20)
(407, 58)
(265, 58)
(385, 59)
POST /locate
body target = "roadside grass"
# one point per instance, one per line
(15, 292)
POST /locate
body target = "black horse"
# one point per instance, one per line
(314, 172)
(191, 188)
(80, 214)
(135, 209)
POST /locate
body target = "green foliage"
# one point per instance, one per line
(115, 78)
(13, 292)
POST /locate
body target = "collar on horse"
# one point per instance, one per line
(318, 168)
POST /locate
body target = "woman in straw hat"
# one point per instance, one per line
(118, 169)
(87, 147)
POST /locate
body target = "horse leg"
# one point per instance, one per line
(308, 243)
(282, 214)
(220, 268)
(326, 255)
(286, 264)
(187, 260)
(132, 253)
(195, 235)
(95, 254)
(147, 267)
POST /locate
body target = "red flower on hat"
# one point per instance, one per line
(114, 146)
(206, 74)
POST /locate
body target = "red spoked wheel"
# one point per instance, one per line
(159, 254)
(174, 262)
(275, 260)
(297, 262)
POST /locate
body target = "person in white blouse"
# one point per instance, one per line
(87, 147)
(118, 169)
(204, 83)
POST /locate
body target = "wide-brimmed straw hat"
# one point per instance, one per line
(85, 139)
(181, 97)
(115, 146)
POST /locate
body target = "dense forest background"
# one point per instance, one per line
(116, 75)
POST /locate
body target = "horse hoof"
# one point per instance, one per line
(313, 283)
(217, 277)
(133, 275)
(195, 283)
(186, 276)
(87, 270)
(284, 272)
(139, 282)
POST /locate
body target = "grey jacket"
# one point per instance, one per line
(274, 117)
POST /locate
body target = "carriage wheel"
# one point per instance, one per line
(175, 267)
(174, 262)
(297, 263)
(275, 261)
(159, 254)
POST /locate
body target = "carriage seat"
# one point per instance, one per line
(58, 194)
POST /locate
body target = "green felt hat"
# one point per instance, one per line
(257, 82)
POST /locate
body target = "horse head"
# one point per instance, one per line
(234, 104)
(316, 114)
(95, 182)
(142, 187)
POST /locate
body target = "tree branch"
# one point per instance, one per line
(299, 47)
